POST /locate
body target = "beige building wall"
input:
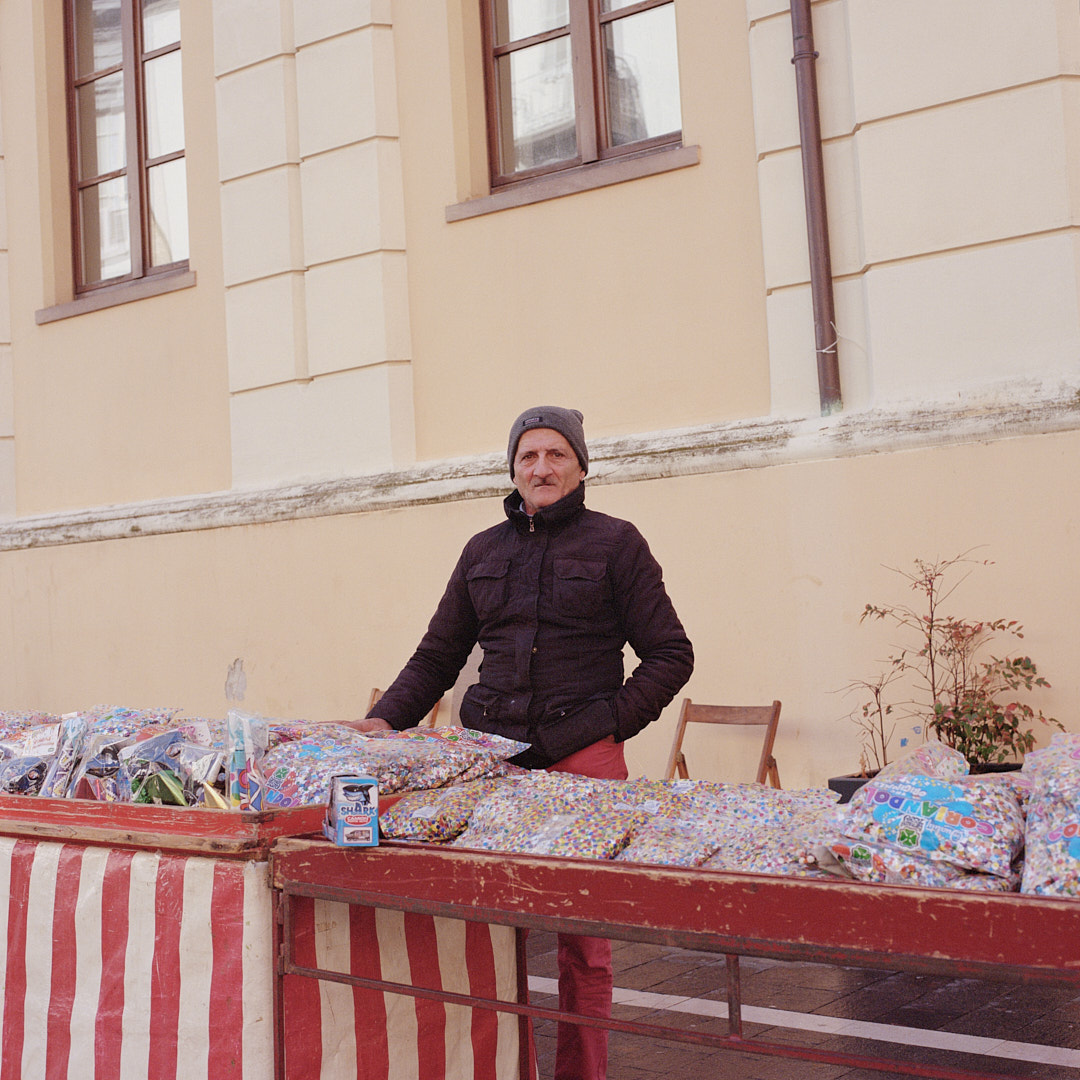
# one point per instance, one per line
(279, 463)
(7, 403)
(950, 157)
(128, 402)
(769, 568)
(316, 296)
(642, 301)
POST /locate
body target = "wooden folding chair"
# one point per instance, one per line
(428, 721)
(767, 716)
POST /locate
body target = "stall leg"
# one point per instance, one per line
(281, 910)
(526, 1053)
(734, 996)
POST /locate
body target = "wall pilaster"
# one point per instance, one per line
(314, 239)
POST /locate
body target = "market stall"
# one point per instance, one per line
(140, 941)
(983, 935)
(139, 926)
(137, 939)
(182, 940)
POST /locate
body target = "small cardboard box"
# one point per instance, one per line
(352, 812)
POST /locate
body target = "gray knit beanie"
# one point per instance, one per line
(567, 422)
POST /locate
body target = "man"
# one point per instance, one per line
(552, 595)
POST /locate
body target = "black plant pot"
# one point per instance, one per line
(846, 786)
(985, 767)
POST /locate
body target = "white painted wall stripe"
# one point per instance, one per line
(837, 1025)
(758, 442)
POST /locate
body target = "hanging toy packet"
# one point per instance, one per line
(246, 739)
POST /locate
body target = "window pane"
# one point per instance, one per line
(516, 19)
(536, 97)
(100, 110)
(168, 213)
(105, 234)
(164, 105)
(641, 65)
(97, 35)
(161, 23)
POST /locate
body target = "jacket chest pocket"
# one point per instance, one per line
(487, 586)
(579, 586)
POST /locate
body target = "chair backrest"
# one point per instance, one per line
(767, 716)
(428, 721)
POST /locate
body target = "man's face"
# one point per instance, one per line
(545, 468)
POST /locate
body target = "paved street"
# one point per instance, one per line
(1021, 1031)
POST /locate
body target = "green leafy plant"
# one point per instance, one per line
(961, 694)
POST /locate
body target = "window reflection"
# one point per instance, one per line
(517, 19)
(164, 105)
(97, 35)
(539, 128)
(161, 23)
(106, 238)
(100, 108)
(642, 74)
(168, 213)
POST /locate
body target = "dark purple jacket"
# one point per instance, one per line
(552, 602)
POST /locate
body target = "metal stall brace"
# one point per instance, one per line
(995, 936)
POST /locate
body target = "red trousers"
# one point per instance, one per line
(585, 977)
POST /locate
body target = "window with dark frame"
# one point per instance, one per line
(126, 140)
(571, 82)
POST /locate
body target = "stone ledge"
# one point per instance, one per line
(711, 448)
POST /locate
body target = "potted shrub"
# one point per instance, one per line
(971, 700)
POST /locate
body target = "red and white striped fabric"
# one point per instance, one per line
(334, 1031)
(121, 964)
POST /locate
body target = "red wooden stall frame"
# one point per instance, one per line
(241, 834)
(953, 933)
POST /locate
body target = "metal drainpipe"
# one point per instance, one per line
(817, 222)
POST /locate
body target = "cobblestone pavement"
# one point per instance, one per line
(1022, 1031)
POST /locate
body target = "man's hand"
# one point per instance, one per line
(372, 723)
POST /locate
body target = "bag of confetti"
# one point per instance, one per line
(976, 826)
(866, 861)
(503, 817)
(931, 759)
(488, 753)
(668, 842)
(775, 846)
(298, 773)
(553, 814)
(584, 834)
(437, 816)
(1052, 858)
